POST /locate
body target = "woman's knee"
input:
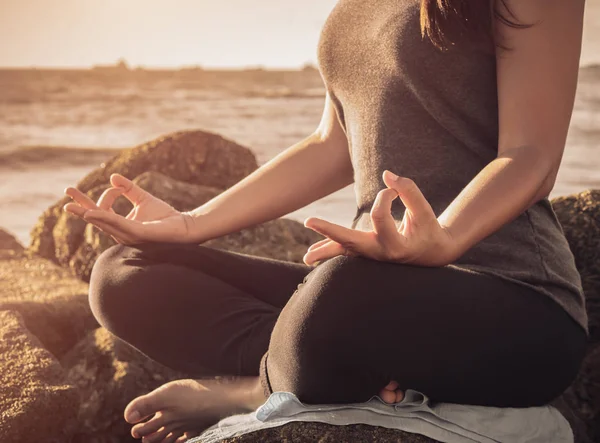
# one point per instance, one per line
(108, 283)
(324, 299)
(316, 342)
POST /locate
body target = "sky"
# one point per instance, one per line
(172, 33)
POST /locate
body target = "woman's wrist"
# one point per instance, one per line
(194, 225)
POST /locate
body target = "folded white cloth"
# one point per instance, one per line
(445, 422)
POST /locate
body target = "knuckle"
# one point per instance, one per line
(348, 244)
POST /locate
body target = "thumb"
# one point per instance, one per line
(120, 181)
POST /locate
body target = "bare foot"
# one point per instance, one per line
(391, 393)
(183, 408)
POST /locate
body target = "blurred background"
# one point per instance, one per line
(81, 78)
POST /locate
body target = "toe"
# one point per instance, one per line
(172, 437)
(148, 404)
(189, 435)
(160, 435)
(392, 385)
(140, 408)
(151, 426)
(387, 395)
(399, 395)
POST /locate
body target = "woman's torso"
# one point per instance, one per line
(432, 116)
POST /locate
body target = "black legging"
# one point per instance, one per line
(339, 332)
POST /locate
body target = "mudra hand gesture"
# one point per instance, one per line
(150, 220)
(420, 239)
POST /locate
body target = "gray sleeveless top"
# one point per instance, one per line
(432, 116)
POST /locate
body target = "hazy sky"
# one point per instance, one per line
(273, 33)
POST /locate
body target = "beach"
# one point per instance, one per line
(57, 125)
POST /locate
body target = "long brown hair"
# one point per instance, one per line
(446, 21)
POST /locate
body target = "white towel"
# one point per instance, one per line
(445, 422)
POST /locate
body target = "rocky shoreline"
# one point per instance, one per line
(64, 379)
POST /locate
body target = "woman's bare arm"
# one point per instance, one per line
(536, 91)
(307, 171)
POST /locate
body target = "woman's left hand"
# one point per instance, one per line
(420, 239)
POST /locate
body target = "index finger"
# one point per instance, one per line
(83, 200)
(134, 193)
(349, 238)
(412, 198)
(383, 222)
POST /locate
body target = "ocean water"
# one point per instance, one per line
(55, 126)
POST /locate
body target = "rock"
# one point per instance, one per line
(108, 375)
(36, 403)
(9, 246)
(189, 183)
(53, 304)
(195, 157)
(308, 432)
(579, 216)
(580, 403)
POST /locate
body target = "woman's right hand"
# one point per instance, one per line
(150, 220)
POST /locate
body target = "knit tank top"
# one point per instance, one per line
(432, 116)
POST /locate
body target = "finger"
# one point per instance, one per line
(383, 222)
(108, 198)
(411, 196)
(318, 244)
(81, 198)
(114, 224)
(132, 213)
(118, 236)
(132, 192)
(351, 239)
(330, 250)
(75, 209)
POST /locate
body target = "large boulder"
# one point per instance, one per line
(9, 246)
(579, 216)
(71, 242)
(36, 402)
(308, 432)
(53, 304)
(196, 157)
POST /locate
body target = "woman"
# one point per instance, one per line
(463, 287)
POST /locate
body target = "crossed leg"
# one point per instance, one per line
(340, 335)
